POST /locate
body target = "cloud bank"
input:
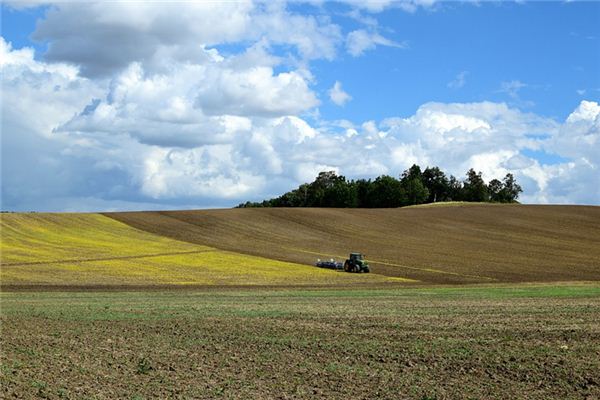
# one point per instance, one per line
(166, 119)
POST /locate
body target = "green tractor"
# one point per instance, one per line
(356, 263)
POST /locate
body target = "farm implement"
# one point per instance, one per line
(355, 263)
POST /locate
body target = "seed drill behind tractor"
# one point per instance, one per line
(355, 263)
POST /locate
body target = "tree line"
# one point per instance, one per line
(414, 186)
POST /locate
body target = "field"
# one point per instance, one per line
(526, 342)
(453, 243)
(465, 302)
(90, 250)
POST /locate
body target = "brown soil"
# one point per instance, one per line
(257, 347)
(458, 244)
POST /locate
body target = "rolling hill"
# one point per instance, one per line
(456, 243)
(91, 250)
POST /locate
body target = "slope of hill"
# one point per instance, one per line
(458, 244)
(85, 250)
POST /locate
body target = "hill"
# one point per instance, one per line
(84, 250)
(465, 243)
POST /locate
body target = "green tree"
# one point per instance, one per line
(363, 188)
(341, 194)
(495, 190)
(436, 182)
(475, 188)
(412, 184)
(318, 188)
(510, 189)
(455, 189)
(387, 191)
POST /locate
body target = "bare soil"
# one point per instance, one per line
(454, 244)
(386, 344)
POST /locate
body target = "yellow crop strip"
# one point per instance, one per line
(91, 249)
(52, 237)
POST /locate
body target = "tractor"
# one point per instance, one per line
(356, 263)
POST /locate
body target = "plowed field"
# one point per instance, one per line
(463, 243)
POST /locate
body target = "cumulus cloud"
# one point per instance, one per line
(577, 140)
(105, 37)
(360, 40)
(195, 104)
(255, 92)
(338, 95)
(163, 119)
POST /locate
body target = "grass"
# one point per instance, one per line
(91, 249)
(455, 204)
(525, 341)
(258, 302)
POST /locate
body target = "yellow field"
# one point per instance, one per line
(91, 249)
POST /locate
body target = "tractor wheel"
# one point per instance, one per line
(346, 267)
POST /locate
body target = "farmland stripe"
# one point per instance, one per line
(79, 260)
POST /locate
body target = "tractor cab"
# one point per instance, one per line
(356, 256)
(356, 263)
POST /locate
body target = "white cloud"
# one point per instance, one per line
(105, 37)
(359, 41)
(338, 95)
(376, 6)
(588, 111)
(174, 132)
(205, 172)
(195, 104)
(512, 88)
(254, 92)
(459, 81)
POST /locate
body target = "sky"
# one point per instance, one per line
(128, 105)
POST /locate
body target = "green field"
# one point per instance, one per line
(534, 342)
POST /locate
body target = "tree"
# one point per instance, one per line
(363, 188)
(436, 182)
(386, 191)
(412, 183)
(510, 190)
(455, 189)
(414, 187)
(475, 188)
(495, 190)
(341, 194)
(317, 189)
(415, 191)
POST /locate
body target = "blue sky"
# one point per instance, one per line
(500, 86)
(552, 48)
